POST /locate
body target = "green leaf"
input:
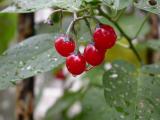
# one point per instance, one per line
(34, 55)
(61, 105)
(126, 23)
(153, 44)
(21, 6)
(95, 75)
(6, 31)
(131, 92)
(94, 107)
(118, 4)
(144, 5)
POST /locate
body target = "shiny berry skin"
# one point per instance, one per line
(93, 56)
(60, 75)
(76, 64)
(104, 37)
(64, 45)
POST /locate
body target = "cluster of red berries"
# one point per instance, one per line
(104, 38)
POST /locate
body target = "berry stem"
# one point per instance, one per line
(89, 26)
(140, 28)
(74, 21)
(124, 34)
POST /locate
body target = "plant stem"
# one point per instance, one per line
(144, 21)
(124, 34)
(74, 21)
(89, 26)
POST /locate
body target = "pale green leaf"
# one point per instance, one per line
(34, 55)
(23, 6)
(134, 93)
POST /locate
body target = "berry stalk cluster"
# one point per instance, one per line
(104, 37)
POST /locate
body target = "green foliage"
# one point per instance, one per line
(144, 5)
(133, 92)
(126, 93)
(34, 55)
(153, 44)
(7, 29)
(118, 4)
(21, 6)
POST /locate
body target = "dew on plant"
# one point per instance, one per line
(122, 116)
(114, 76)
(29, 67)
(54, 59)
(36, 47)
(37, 71)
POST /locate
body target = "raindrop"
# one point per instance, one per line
(122, 116)
(113, 76)
(29, 67)
(37, 71)
(37, 47)
(49, 55)
(107, 66)
(54, 59)
(21, 64)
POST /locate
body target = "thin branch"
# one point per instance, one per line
(74, 21)
(144, 21)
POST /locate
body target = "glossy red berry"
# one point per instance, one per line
(76, 64)
(93, 56)
(104, 37)
(64, 45)
(60, 75)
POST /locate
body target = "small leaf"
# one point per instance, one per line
(33, 56)
(145, 5)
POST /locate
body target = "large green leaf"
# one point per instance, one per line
(153, 44)
(23, 6)
(34, 55)
(94, 107)
(118, 4)
(6, 31)
(133, 93)
(144, 5)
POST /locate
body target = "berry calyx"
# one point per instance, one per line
(93, 56)
(64, 45)
(76, 64)
(104, 37)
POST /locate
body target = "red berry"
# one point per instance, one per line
(104, 37)
(93, 56)
(60, 75)
(64, 45)
(76, 64)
